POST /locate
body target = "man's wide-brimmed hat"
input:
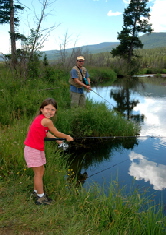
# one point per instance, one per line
(80, 58)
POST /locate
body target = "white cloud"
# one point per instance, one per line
(126, 1)
(110, 13)
(158, 16)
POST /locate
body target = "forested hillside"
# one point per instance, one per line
(150, 41)
(153, 40)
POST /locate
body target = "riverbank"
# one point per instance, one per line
(74, 210)
(150, 75)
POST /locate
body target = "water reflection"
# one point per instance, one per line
(154, 110)
(138, 100)
(148, 171)
(93, 155)
(144, 159)
(125, 102)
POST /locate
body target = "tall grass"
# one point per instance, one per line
(95, 120)
(21, 98)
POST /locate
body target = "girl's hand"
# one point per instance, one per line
(69, 138)
(59, 141)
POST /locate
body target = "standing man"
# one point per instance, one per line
(79, 78)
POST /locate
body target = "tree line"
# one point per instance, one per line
(127, 58)
(148, 61)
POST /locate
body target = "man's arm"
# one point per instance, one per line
(76, 80)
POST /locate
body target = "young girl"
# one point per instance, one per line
(34, 145)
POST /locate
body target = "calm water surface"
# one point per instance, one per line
(140, 160)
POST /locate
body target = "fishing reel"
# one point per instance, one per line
(64, 146)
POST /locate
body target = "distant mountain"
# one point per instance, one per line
(153, 40)
(150, 41)
(93, 49)
(97, 48)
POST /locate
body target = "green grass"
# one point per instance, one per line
(75, 210)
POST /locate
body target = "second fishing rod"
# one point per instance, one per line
(106, 137)
(85, 81)
(65, 146)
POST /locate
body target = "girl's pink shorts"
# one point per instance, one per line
(34, 157)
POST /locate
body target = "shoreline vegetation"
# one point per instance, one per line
(75, 210)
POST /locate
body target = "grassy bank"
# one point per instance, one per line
(74, 211)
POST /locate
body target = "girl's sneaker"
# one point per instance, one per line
(43, 200)
(35, 196)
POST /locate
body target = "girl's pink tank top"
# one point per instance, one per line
(36, 134)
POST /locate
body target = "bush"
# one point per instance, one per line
(94, 120)
(101, 74)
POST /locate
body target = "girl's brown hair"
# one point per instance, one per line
(47, 102)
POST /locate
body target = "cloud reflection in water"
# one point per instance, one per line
(148, 170)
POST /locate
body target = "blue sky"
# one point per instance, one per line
(84, 22)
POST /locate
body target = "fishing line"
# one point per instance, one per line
(108, 168)
(102, 97)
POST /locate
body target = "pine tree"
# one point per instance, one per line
(135, 21)
(8, 11)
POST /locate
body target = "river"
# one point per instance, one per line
(139, 162)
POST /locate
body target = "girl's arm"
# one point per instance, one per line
(49, 135)
(48, 123)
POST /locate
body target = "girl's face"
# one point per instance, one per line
(48, 111)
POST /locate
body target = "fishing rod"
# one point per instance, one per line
(54, 139)
(107, 137)
(114, 137)
(102, 97)
(85, 81)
